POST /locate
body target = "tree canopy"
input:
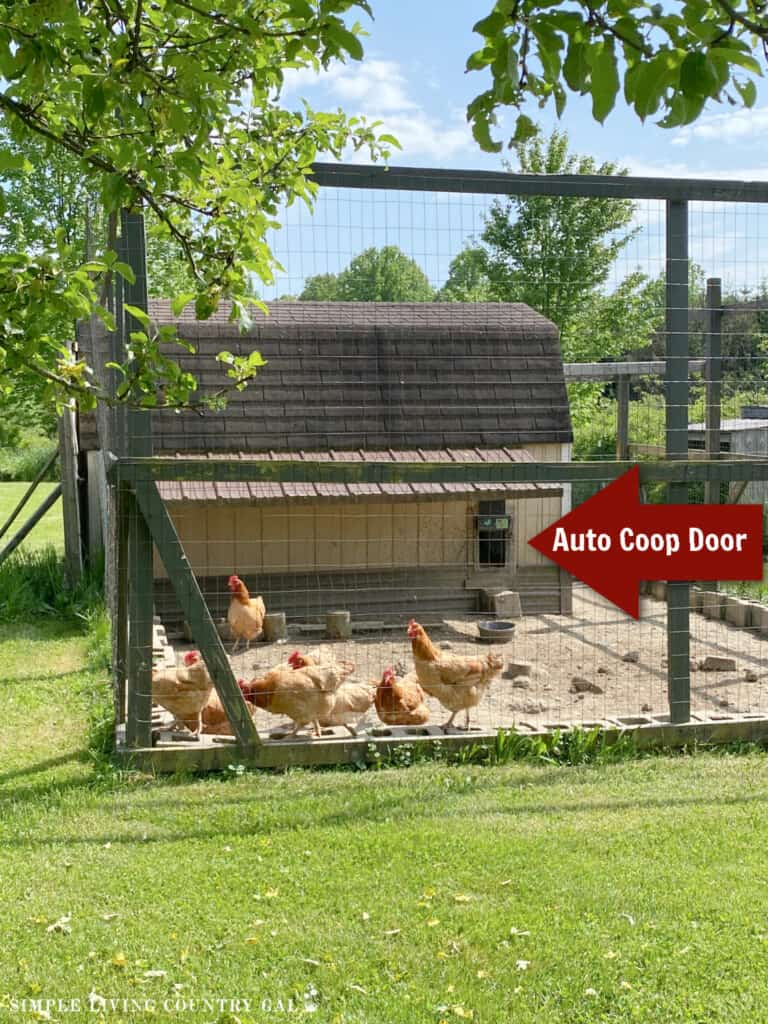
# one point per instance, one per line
(667, 60)
(553, 251)
(175, 108)
(375, 275)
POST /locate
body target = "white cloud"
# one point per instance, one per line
(378, 89)
(644, 168)
(736, 124)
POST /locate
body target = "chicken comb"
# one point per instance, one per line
(293, 658)
(191, 657)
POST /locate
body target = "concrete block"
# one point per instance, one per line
(506, 605)
(761, 619)
(517, 667)
(338, 625)
(736, 611)
(712, 604)
(275, 626)
(717, 663)
(755, 616)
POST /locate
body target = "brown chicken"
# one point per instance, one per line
(401, 701)
(245, 615)
(304, 693)
(184, 691)
(459, 682)
(351, 702)
(215, 721)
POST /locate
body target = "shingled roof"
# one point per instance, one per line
(352, 376)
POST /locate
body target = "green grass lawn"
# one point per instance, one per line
(48, 531)
(631, 892)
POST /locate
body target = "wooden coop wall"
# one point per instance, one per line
(369, 556)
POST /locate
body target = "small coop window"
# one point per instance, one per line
(492, 527)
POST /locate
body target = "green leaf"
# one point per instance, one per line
(10, 161)
(738, 57)
(138, 314)
(390, 140)
(525, 129)
(748, 92)
(604, 79)
(180, 301)
(697, 76)
(576, 68)
(125, 271)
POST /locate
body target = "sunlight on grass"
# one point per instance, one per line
(520, 893)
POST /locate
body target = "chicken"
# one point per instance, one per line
(351, 702)
(215, 721)
(245, 615)
(184, 691)
(401, 701)
(458, 682)
(303, 692)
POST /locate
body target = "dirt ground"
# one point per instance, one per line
(561, 654)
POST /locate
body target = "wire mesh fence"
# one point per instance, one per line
(417, 343)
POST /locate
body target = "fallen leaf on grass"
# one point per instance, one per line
(518, 932)
(610, 955)
(119, 960)
(358, 988)
(522, 965)
(392, 931)
(155, 974)
(462, 897)
(433, 922)
(108, 917)
(507, 881)
(312, 963)
(61, 926)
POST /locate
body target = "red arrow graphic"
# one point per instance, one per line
(612, 541)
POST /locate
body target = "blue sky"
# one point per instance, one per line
(412, 79)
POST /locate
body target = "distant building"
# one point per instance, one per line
(747, 435)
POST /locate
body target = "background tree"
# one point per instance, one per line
(553, 252)
(668, 60)
(468, 278)
(321, 288)
(376, 275)
(174, 108)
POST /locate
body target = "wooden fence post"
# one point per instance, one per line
(622, 418)
(70, 496)
(713, 376)
(138, 443)
(676, 395)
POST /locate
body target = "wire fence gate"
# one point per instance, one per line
(393, 459)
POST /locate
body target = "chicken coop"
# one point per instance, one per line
(382, 479)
